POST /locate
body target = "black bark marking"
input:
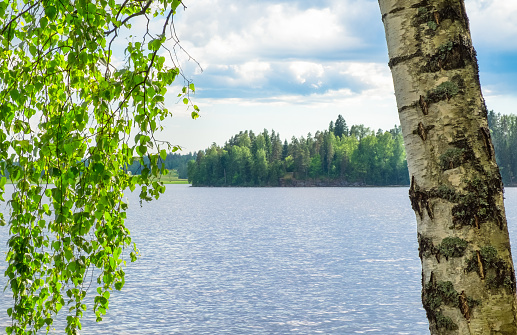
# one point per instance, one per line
(485, 132)
(422, 131)
(398, 9)
(393, 11)
(464, 305)
(450, 13)
(429, 209)
(436, 294)
(404, 108)
(400, 59)
(426, 247)
(500, 221)
(419, 200)
(429, 18)
(423, 3)
(423, 105)
(416, 197)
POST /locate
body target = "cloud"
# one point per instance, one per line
(260, 80)
(227, 30)
(260, 49)
(493, 24)
(323, 85)
(266, 63)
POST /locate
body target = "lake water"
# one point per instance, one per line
(269, 261)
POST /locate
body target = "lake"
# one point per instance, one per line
(269, 261)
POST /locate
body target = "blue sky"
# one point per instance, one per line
(294, 65)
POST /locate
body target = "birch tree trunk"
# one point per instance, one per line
(468, 278)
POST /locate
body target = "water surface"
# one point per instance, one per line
(270, 261)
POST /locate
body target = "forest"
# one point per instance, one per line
(337, 156)
(504, 138)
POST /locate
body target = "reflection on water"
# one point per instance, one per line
(269, 261)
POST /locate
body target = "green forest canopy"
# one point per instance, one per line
(335, 156)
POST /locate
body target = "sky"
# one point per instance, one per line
(295, 65)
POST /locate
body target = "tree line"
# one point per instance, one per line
(504, 138)
(336, 156)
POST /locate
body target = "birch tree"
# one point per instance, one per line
(73, 116)
(468, 280)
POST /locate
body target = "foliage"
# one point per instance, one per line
(359, 153)
(68, 112)
(504, 138)
(340, 128)
(173, 161)
(359, 156)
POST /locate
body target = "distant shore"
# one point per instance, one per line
(174, 181)
(291, 182)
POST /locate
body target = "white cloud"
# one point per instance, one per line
(375, 76)
(493, 23)
(252, 73)
(227, 31)
(304, 70)
(269, 62)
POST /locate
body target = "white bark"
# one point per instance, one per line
(456, 191)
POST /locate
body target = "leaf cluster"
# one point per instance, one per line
(73, 117)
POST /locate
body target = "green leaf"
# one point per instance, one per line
(51, 12)
(141, 150)
(14, 94)
(43, 22)
(33, 50)
(175, 4)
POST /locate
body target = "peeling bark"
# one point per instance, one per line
(456, 190)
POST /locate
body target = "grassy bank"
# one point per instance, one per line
(177, 181)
